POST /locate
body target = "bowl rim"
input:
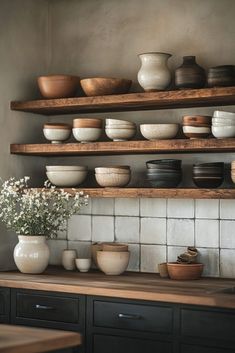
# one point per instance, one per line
(177, 264)
(105, 78)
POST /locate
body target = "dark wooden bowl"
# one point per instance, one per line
(101, 86)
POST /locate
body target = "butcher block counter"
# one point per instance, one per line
(151, 287)
(18, 339)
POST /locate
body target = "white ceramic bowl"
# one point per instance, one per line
(223, 114)
(120, 134)
(66, 178)
(83, 265)
(223, 131)
(112, 262)
(196, 129)
(54, 168)
(86, 134)
(154, 132)
(113, 179)
(223, 121)
(57, 135)
(111, 122)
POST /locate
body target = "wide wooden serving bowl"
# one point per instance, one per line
(101, 86)
(183, 272)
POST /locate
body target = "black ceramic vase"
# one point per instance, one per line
(190, 74)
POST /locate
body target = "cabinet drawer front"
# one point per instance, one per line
(186, 348)
(46, 307)
(4, 305)
(116, 344)
(208, 324)
(133, 316)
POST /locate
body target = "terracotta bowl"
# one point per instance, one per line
(118, 247)
(82, 122)
(58, 86)
(101, 86)
(184, 272)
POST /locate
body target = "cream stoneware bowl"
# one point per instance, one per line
(223, 131)
(83, 265)
(66, 178)
(116, 169)
(56, 135)
(116, 122)
(222, 114)
(86, 134)
(60, 168)
(113, 179)
(154, 132)
(120, 134)
(112, 262)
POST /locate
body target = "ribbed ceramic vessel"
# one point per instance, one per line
(190, 74)
(31, 254)
(154, 74)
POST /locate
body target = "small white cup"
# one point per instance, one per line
(68, 259)
(83, 265)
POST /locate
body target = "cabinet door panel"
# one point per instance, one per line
(117, 344)
(133, 316)
(185, 348)
(207, 324)
(4, 305)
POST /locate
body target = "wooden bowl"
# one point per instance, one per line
(184, 272)
(198, 119)
(58, 86)
(114, 247)
(101, 86)
(81, 122)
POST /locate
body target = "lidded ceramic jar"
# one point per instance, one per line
(154, 74)
(190, 74)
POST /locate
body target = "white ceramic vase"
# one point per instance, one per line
(31, 254)
(154, 74)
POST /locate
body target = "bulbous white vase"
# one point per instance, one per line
(154, 74)
(31, 254)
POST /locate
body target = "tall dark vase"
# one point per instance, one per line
(190, 74)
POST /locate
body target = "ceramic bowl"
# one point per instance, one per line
(57, 133)
(86, 134)
(112, 262)
(83, 265)
(60, 168)
(222, 114)
(208, 181)
(113, 179)
(101, 86)
(66, 178)
(83, 122)
(164, 163)
(221, 76)
(114, 247)
(154, 132)
(182, 272)
(194, 132)
(120, 134)
(223, 131)
(196, 119)
(58, 86)
(115, 122)
(158, 183)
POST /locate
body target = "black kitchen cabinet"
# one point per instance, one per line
(50, 310)
(4, 305)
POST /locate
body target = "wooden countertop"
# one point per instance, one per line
(130, 285)
(20, 339)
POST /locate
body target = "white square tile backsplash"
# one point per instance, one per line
(156, 230)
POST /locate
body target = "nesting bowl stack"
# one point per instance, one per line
(115, 176)
(221, 76)
(164, 173)
(87, 130)
(223, 124)
(208, 175)
(120, 130)
(196, 126)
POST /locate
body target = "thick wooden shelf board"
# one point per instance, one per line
(177, 193)
(126, 147)
(130, 102)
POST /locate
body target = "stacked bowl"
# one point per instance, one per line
(116, 176)
(233, 171)
(208, 175)
(164, 173)
(87, 130)
(223, 124)
(66, 175)
(57, 132)
(120, 130)
(196, 126)
(221, 76)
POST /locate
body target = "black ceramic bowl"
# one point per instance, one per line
(164, 163)
(164, 183)
(221, 76)
(208, 182)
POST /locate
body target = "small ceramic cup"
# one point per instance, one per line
(163, 271)
(68, 259)
(83, 265)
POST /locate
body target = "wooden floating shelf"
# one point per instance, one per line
(126, 147)
(178, 193)
(130, 102)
